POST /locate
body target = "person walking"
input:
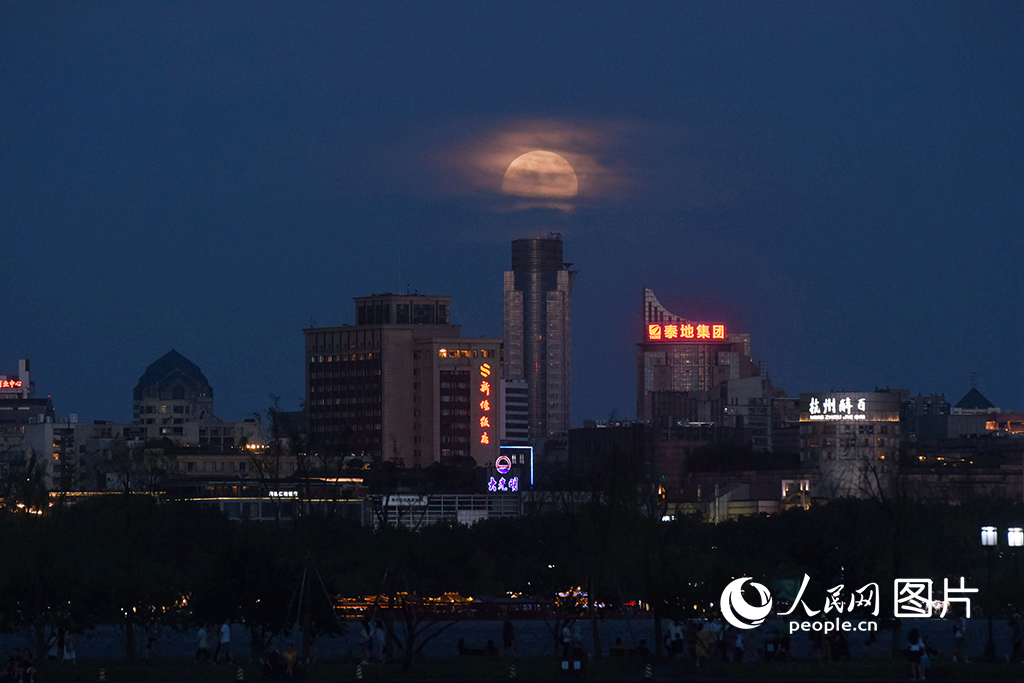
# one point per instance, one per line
(1016, 638)
(379, 638)
(202, 644)
(365, 642)
(224, 643)
(69, 649)
(915, 650)
(508, 638)
(290, 656)
(960, 640)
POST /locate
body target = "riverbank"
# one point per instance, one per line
(526, 668)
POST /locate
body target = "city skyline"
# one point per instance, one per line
(841, 182)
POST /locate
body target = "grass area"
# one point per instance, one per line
(527, 668)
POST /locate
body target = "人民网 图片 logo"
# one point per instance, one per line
(740, 613)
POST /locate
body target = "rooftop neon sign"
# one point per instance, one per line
(686, 332)
(10, 383)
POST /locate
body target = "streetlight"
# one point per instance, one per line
(1015, 539)
(990, 539)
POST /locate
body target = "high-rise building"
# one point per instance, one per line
(515, 421)
(852, 439)
(19, 408)
(402, 385)
(678, 355)
(538, 332)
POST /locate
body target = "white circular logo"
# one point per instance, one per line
(741, 613)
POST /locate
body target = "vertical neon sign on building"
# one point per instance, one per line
(485, 403)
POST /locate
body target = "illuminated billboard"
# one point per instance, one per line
(512, 471)
(686, 332)
(842, 406)
(484, 394)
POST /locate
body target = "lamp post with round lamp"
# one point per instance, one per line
(1015, 539)
(990, 540)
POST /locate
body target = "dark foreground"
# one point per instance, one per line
(528, 669)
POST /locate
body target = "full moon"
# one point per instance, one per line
(540, 174)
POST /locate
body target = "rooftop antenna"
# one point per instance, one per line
(312, 322)
(974, 380)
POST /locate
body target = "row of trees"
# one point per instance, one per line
(129, 559)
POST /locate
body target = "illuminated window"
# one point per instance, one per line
(703, 332)
(671, 331)
(654, 332)
(443, 353)
(718, 331)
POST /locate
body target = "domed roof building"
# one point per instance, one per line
(171, 392)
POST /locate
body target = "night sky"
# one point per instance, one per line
(842, 180)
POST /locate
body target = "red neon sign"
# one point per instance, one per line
(485, 405)
(682, 332)
(10, 383)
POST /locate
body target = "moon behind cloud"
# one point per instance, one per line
(540, 174)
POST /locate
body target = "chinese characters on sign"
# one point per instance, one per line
(685, 332)
(485, 403)
(10, 383)
(511, 484)
(831, 409)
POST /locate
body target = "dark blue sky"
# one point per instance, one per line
(843, 180)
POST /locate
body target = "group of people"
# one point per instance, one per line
(20, 667)
(372, 637)
(277, 665)
(919, 654)
(222, 634)
(61, 646)
(508, 644)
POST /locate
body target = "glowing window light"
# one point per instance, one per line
(989, 536)
(1015, 537)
